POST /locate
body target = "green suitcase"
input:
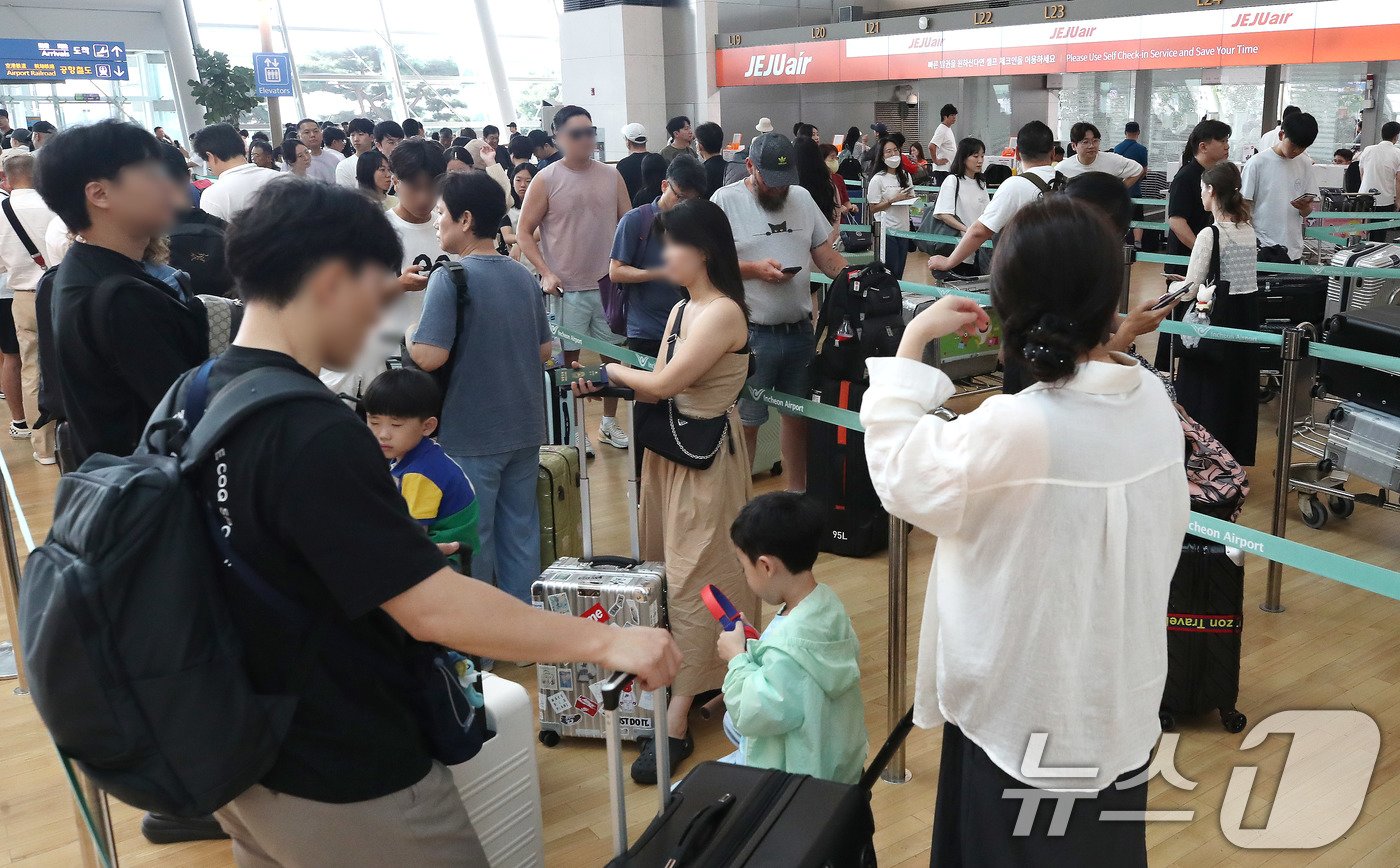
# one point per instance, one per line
(561, 511)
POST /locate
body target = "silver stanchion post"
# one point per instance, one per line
(11, 586)
(97, 842)
(1293, 350)
(895, 772)
(1129, 257)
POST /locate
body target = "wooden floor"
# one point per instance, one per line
(1334, 647)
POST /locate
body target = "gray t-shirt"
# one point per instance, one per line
(493, 402)
(788, 235)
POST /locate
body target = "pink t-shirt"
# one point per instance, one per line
(576, 235)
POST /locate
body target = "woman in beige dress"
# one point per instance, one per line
(686, 512)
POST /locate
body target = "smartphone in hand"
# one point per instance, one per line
(588, 373)
(1167, 299)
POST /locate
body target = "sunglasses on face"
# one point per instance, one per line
(582, 133)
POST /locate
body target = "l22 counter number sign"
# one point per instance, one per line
(61, 60)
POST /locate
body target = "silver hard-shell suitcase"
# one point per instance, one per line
(1350, 293)
(1365, 443)
(615, 591)
(621, 591)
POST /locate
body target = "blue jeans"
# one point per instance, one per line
(508, 520)
(896, 254)
(781, 356)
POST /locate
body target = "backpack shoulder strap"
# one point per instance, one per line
(1040, 183)
(648, 221)
(458, 273)
(246, 395)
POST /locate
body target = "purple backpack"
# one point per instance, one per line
(614, 297)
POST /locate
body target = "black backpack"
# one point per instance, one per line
(441, 375)
(849, 167)
(135, 664)
(197, 248)
(1054, 185)
(861, 317)
(50, 389)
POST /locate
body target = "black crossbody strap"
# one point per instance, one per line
(1213, 276)
(675, 334)
(24, 238)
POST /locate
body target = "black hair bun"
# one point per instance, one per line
(1051, 349)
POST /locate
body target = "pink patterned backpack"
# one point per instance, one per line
(1217, 483)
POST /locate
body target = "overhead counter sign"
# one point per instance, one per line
(1324, 32)
(61, 60)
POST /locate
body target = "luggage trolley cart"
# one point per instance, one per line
(1350, 443)
(1337, 200)
(1360, 436)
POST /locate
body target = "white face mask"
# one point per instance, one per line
(892, 162)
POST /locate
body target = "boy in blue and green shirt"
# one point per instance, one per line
(402, 408)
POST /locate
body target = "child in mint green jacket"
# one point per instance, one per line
(793, 695)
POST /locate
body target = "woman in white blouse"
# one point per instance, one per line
(1217, 381)
(962, 196)
(1059, 513)
(888, 196)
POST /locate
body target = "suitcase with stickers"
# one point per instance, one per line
(609, 590)
(625, 591)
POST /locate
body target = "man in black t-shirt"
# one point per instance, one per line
(1208, 144)
(630, 166)
(709, 137)
(305, 496)
(119, 349)
(1186, 216)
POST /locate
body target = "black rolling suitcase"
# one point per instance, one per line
(731, 816)
(861, 317)
(1374, 330)
(839, 478)
(1205, 615)
(1285, 301)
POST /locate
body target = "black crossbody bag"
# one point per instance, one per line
(665, 430)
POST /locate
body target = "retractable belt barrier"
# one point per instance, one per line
(1330, 565)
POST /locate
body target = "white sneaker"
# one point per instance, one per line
(47, 462)
(19, 431)
(613, 435)
(588, 447)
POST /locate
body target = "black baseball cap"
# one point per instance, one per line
(773, 154)
(43, 127)
(880, 129)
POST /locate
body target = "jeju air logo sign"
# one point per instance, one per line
(1295, 33)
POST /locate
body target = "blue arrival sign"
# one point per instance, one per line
(59, 60)
(273, 73)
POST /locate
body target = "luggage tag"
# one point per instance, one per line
(724, 611)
